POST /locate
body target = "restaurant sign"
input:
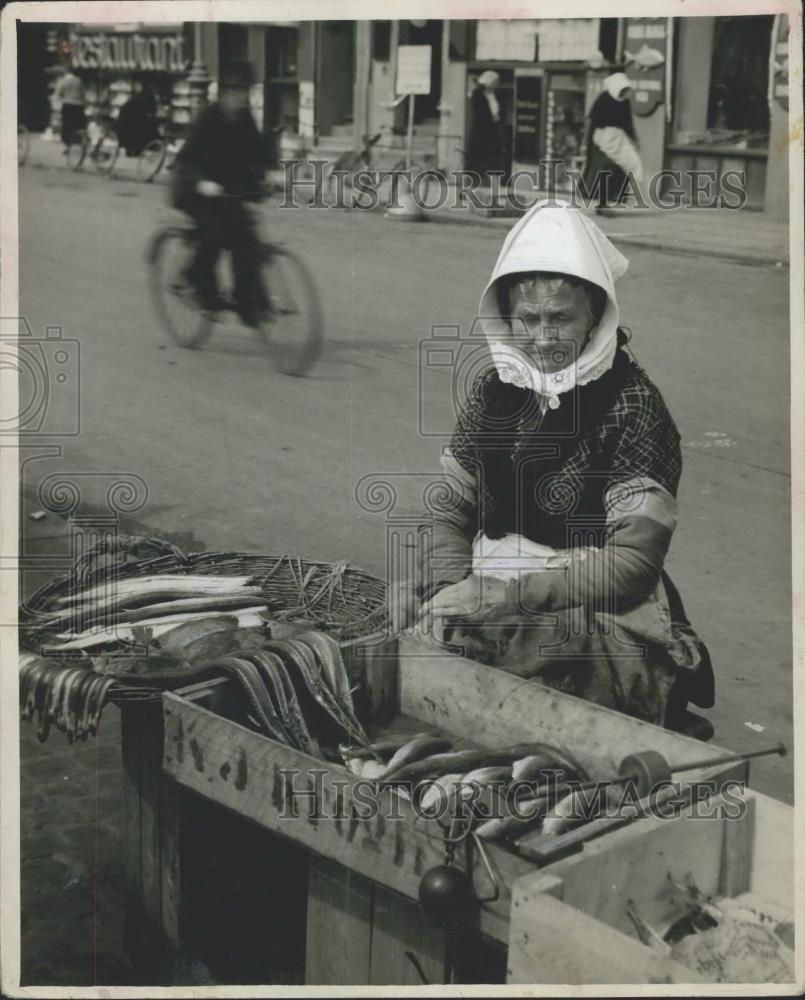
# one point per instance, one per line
(645, 52)
(132, 50)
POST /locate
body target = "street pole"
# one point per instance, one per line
(198, 77)
(409, 144)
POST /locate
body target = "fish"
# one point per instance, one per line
(646, 58)
(102, 636)
(439, 792)
(179, 584)
(415, 750)
(382, 748)
(570, 811)
(530, 814)
(482, 776)
(534, 767)
(467, 760)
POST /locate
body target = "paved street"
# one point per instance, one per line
(238, 457)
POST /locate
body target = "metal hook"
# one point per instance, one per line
(475, 839)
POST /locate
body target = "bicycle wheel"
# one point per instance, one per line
(175, 301)
(106, 153)
(23, 144)
(77, 151)
(294, 333)
(150, 161)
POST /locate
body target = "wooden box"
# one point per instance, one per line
(569, 922)
(363, 916)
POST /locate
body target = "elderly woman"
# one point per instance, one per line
(561, 478)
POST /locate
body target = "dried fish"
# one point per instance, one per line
(382, 748)
(530, 813)
(183, 585)
(332, 663)
(415, 750)
(109, 635)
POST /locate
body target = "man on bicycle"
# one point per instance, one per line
(220, 166)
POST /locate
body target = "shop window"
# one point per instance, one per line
(608, 38)
(232, 43)
(739, 77)
(282, 53)
(381, 40)
(460, 38)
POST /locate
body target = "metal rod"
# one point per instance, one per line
(728, 758)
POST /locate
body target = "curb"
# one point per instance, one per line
(468, 217)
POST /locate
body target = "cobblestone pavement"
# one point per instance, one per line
(72, 891)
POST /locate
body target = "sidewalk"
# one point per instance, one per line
(75, 920)
(747, 237)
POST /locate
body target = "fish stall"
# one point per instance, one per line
(355, 781)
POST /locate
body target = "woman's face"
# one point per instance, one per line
(551, 320)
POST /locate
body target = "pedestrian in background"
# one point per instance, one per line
(220, 166)
(71, 99)
(486, 145)
(136, 123)
(612, 142)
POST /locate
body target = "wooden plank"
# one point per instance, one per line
(377, 660)
(773, 852)
(462, 697)
(132, 851)
(170, 848)
(150, 780)
(635, 861)
(736, 852)
(339, 926)
(400, 925)
(261, 780)
(552, 942)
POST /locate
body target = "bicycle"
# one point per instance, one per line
(159, 153)
(103, 148)
(293, 333)
(23, 144)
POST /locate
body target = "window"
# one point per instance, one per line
(381, 40)
(739, 77)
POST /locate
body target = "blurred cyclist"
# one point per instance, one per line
(220, 166)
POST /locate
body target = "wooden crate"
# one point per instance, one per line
(364, 873)
(569, 923)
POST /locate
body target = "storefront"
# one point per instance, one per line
(544, 68)
(722, 105)
(110, 57)
(542, 96)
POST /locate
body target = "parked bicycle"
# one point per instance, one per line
(98, 141)
(159, 154)
(23, 144)
(293, 332)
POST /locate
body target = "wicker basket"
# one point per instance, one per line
(337, 598)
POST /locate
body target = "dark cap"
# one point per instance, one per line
(236, 74)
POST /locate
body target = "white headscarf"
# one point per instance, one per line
(554, 237)
(618, 85)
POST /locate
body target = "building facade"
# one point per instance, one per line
(710, 93)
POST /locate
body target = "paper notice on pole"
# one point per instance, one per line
(413, 69)
(307, 118)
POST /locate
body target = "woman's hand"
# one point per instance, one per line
(402, 604)
(210, 189)
(474, 597)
